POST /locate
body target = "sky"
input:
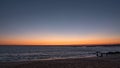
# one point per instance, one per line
(59, 22)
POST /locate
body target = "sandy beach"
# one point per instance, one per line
(98, 62)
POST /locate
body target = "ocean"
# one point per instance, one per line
(30, 53)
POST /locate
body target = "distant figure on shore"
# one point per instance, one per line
(99, 54)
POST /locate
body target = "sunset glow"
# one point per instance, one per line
(60, 22)
(60, 41)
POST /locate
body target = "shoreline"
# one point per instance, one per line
(55, 58)
(91, 62)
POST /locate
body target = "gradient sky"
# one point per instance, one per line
(47, 22)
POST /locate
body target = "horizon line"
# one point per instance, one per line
(58, 45)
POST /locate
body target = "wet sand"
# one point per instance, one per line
(95, 62)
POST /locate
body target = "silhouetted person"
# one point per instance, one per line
(99, 54)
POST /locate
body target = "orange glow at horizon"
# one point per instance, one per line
(60, 41)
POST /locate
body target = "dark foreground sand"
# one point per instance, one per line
(104, 62)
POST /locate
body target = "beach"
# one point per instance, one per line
(92, 62)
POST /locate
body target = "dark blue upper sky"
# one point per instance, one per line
(60, 17)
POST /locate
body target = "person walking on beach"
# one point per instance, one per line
(99, 54)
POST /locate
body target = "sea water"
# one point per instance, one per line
(29, 53)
